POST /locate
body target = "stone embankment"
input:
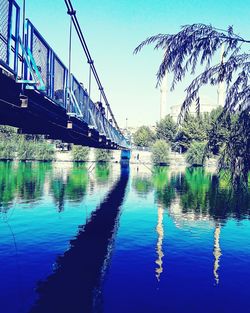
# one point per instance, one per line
(137, 157)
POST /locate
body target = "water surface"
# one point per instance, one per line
(78, 238)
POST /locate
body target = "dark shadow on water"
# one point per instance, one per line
(75, 283)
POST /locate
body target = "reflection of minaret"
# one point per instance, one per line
(163, 104)
(160, 232)
(221, 91)
(217, 252)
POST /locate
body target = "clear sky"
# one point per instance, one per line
(113, 28)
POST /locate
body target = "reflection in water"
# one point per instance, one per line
(217, 252)
(102, 171)
(24, 181)
(142, 185)
(73, 187)
(160, 232)
(74, 285)
(195, 205)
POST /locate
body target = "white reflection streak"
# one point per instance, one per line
(160, 232)
(217, 252)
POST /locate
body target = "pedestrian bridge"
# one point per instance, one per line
(40, 95)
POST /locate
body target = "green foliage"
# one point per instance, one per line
(80, 153)
(77, 183)
(102, 171)
(103, 155)
(142, 185)
(198, 45)
(166, 129)
(235, 151)
(144, 137)
(7, 150)
(160, 152)
(44, 151)
(195, 153)
(194, 128)
(26, 150)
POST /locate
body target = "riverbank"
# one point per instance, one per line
(137, 157)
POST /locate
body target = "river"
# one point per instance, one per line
(101, 238)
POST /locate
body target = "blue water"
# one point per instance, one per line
(113, 240)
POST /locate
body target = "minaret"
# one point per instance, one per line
(163, 105)
(160, 232)
(221, 91)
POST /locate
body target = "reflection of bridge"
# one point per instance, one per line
(74, 285)
(38, 93)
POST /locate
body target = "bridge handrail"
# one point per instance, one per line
(46, 72)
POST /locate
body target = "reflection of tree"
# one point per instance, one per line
(209, 195)
(58, 192)
(195, 187)
(102, 172)
(26, 181)
(142, 185)
(7, 185)
(225, 202)
(164, 187)
(77, 182)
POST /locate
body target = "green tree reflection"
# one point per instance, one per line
(30, 178)
(7, 185)
(102, 172)
(77, 183)
(142, 185)
(194, 193)
(164, 186)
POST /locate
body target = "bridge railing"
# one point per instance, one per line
(35, 64)
(9, 33)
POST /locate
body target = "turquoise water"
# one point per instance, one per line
(78, 238)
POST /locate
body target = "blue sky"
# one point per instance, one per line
(114, 28)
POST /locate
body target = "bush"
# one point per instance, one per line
(26, 150)
(102, 155)
(7, 150)
(44, 151)
(80, 153)
(160, 152)
(195, 153)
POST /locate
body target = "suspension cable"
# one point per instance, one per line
(69, 73)
(72, 12)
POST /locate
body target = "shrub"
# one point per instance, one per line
(195, 153)
(26, 150)
(7, 150)
(44, 151)
(102, 155)
(160, 152)
(80, 153)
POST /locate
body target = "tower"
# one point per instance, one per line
(163, 104)
(221, 91)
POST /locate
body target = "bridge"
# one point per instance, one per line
(40, 95)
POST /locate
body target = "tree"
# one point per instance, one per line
(197, 44)
(103, 155)
(160, 152)
(80, 153)
(194, 128)
(195, 153)
(166, 129)
(144, 137)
